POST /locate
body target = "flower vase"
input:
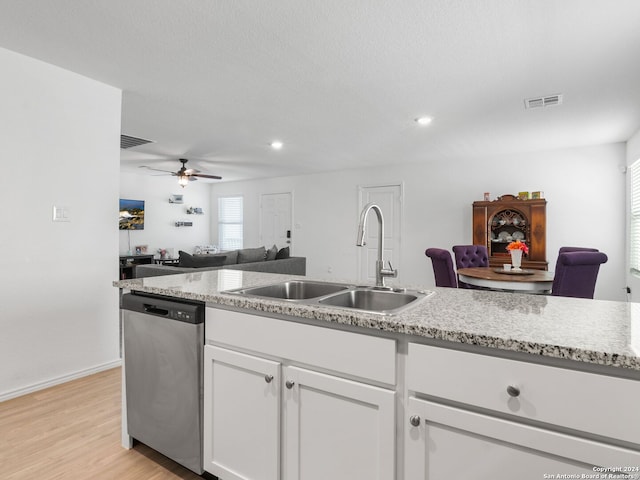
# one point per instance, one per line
(516, 259)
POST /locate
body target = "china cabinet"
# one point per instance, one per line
(497, 223)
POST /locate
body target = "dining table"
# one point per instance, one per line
(523, 281)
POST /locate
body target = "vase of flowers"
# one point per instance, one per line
(516, 249)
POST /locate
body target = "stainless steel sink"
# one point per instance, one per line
(295, 290)
(381, 301)
(385, 301)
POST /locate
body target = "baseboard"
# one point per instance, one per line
(58, 380)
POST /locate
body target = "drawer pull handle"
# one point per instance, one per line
(268, 378)
(414, 420)
(289, 384)
(513, 391)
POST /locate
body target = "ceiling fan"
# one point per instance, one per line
(185, 175)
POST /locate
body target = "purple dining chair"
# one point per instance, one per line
(576, 273)
(443, 270)
(577, 249)
(470, 256)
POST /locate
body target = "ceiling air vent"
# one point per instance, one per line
(547, 101)
(127, 141)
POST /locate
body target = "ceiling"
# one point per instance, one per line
(340, 83)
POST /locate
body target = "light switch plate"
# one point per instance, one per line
(61, 214)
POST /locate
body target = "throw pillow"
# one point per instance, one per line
(271, 253)
(282, 253)
(195, 261)
(249, 255)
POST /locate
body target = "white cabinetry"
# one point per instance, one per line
(474, 416)
(336, 428)
(289, 401)
(241, 415)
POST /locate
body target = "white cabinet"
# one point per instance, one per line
(287, 401)
(336, 428)
(241, 415)
(474, 416)
(448, 442)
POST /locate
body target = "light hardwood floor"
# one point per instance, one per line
(72, 432)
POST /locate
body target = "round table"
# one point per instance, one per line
(532, 281)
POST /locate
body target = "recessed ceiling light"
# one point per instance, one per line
(276, 145)
(424, 120)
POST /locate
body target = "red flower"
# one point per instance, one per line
(518, 245)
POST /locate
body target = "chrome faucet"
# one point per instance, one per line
(381, 272)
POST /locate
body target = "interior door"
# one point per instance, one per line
(389, 199)
(276, 219)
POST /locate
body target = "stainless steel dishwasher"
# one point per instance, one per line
(163, 355)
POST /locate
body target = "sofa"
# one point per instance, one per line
(252, 259)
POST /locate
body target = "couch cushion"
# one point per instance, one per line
(271, 253)
(282, 253)
(195, 261)
(249, 255)
(231, 257)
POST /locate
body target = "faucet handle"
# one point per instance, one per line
(390, 272)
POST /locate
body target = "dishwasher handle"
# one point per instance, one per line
(155, 310)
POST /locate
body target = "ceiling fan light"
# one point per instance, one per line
(183, 180)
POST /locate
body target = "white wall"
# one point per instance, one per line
(160, 215)
(60, 146)
(584, 188)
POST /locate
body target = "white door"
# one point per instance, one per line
(241, 415)
(389, 199)
(443, 442)
(336, 429)
(275, 223)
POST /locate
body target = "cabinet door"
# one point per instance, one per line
(336, 429)
(443, 442)
(241, 415)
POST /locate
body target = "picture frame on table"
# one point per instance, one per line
(141, 249)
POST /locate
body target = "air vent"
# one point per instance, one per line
(127, 141)
(547, 101)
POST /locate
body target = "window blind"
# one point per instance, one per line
(230, 226)
(634, 227)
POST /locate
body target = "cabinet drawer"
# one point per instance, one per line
(364, 356)
(583, 401)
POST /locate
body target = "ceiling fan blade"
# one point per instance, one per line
(156, 169)
(203, 175)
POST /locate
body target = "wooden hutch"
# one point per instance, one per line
(497, 223)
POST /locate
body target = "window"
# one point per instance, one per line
(230, 223)
(634, 227)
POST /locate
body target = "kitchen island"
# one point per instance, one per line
(517, 386)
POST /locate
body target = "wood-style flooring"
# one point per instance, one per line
(72, 432)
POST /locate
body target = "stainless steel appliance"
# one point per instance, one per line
(163, 354)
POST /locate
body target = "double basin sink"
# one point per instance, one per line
(386, 301)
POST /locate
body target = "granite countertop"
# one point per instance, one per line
(592, 331)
